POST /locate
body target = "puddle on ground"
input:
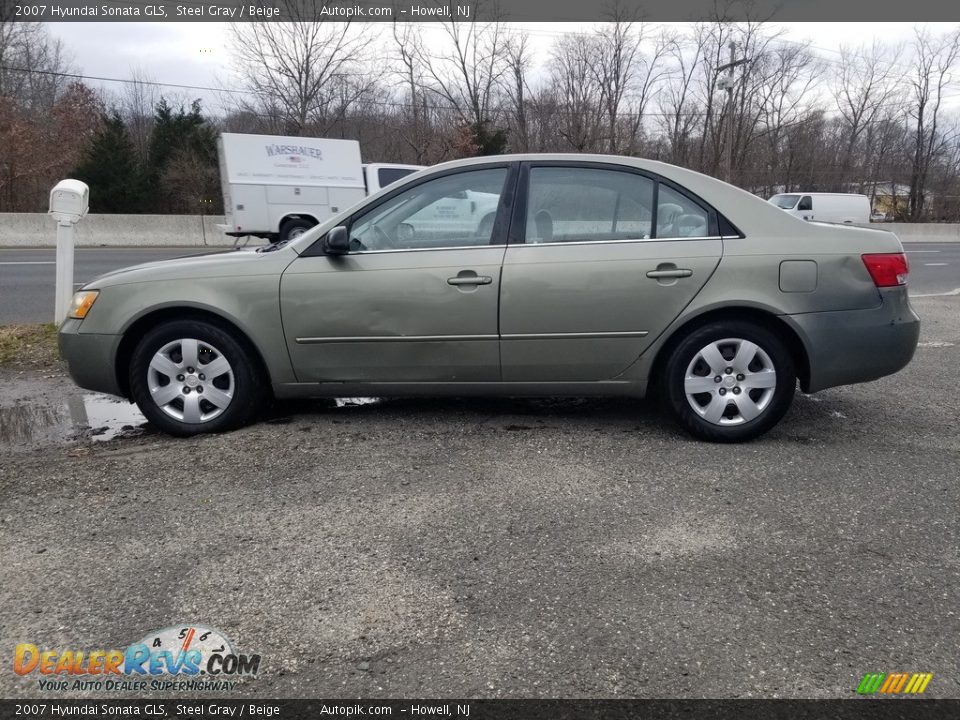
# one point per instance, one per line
(106, 417)
(94, 416)
(351, 402)
(88, 416)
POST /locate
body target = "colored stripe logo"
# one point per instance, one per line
(894, 683)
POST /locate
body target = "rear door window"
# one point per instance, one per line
(678, 216)
(579, 204)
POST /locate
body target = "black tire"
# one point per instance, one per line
(294, 227)
(732, 426)
(245, 385)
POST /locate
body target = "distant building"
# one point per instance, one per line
(890, 198)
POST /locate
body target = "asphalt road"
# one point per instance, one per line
(506, 548)
(27, 277)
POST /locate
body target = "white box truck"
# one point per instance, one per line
(844, 208)
(279, 187)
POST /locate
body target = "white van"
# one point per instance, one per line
(845, 208)
(279, 187)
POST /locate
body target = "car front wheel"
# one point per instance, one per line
(729, 381)
(190, 377)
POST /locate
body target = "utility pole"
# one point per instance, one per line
(727, 83)
(730, 66)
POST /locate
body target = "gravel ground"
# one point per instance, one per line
(508, 548)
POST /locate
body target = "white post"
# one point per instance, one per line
(64, 290)
(69, 201)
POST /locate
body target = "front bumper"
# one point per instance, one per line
(853, 346)
(91, 358)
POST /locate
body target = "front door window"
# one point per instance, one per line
(452, 211)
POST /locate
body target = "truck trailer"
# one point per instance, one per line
(277, 187)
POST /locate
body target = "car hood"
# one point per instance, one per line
(237, 263)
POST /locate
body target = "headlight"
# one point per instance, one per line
(82, 302)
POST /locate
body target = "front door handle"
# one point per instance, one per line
(470, 280)
(673, 273)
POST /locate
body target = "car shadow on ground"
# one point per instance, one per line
(480, 409)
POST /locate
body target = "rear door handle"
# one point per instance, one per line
(675, 273)
(470, 280)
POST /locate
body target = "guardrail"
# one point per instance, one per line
(38, 230)
(922, 232)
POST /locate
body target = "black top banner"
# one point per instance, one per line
(475, 10)
(486, 709)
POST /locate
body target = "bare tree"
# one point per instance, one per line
(137, 101)
(653, 70)
(786, 75)
(467, 75)
(37, 96)
(309, 70)
(415, 128)
(33, 65)
(867, 82)
(577, 89)
(614, 68)
(679, 110)
(519, 61)
(934, 66)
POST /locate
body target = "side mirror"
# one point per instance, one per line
(337, 241)
(405, 232)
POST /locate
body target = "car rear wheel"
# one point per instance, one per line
(729, 381)
(190, 377)
(294, 228)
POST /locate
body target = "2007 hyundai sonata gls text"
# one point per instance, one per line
(512, 275)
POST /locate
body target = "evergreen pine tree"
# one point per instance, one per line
(109, 167)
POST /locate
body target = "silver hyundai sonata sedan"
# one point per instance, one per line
(512, 275)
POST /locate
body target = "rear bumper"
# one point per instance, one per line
(91, 358)
(854, 346)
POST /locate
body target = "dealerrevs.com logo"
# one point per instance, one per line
(180, 657)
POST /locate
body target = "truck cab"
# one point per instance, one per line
(377, 176)
(839, 208)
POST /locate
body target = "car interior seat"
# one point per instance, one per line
(544, 224)
(691, 225)
(667, 216)
(485, 228)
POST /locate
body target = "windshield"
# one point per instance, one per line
(785, 202)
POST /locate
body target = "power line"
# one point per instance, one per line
(367, 101)
(79, 76)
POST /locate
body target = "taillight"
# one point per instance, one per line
(887, 269)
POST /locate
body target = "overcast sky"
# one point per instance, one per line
(196, 53)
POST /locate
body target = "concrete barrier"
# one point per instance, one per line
(922, 232)
(39, 230)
